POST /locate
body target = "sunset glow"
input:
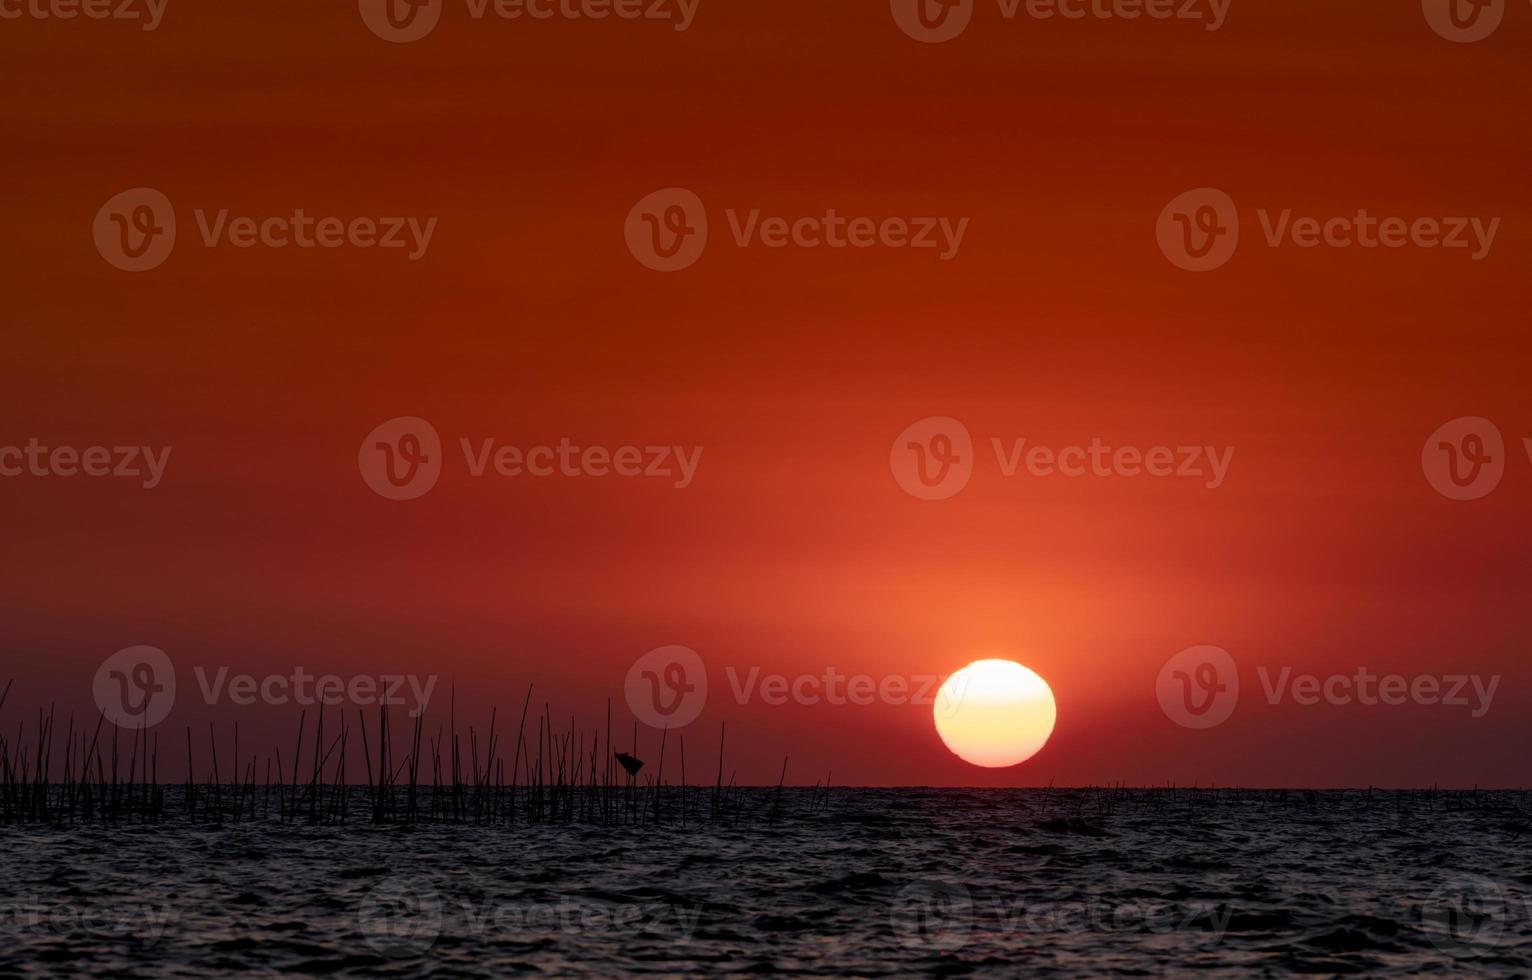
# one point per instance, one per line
(995, 713)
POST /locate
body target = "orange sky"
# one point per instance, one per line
(794, 549)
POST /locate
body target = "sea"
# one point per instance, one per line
(849, 882)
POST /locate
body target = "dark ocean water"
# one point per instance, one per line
(1000, 883)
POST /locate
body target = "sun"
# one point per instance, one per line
(995, 713)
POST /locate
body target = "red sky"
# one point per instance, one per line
(794, 549)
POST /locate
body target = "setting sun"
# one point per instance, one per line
(995, 713)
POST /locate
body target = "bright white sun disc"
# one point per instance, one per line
(995, 713)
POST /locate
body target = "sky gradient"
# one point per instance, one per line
(794, 549)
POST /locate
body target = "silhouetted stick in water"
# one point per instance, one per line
(560, 788)
(777, 803)
(516, 759)
(718, 785)
(632, 766)
(659, 779)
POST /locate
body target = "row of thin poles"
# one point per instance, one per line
(564, 776)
